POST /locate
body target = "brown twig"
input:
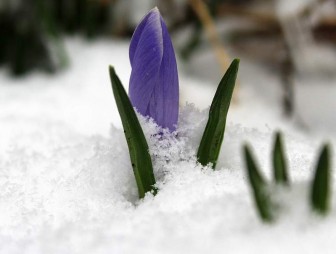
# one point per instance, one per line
(223, 58)
(202, 12)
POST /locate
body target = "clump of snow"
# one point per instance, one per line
(67, 184)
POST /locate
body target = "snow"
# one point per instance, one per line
(67, 185)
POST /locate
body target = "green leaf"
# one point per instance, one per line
(320, 194)
(279, 161)
(212, 139)
(259, 187)
(136, 141)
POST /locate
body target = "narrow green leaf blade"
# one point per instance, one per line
(259, 187)
(279, 161)
(212, 138)
(320, 194)
(136, 141)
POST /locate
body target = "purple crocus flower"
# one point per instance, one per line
(154, 86)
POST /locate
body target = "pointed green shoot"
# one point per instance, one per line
(279, 161)
(320, 194)
(136, 141)
(259, 187)
(212, 139)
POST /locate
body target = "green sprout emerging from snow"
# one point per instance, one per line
(320, 187)
(213, 135)
(136, 141)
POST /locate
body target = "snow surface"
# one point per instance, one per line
(67, 185)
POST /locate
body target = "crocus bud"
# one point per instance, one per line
(154, 86)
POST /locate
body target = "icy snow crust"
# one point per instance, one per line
(67, 185)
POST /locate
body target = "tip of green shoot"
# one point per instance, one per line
(211, 142)
(320, 197)
(279, 161)
(236, 61)
(259, 186)
(111, 69)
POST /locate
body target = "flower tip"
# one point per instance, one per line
(155, 9)
(155, 12)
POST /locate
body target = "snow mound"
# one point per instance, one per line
(67, 184)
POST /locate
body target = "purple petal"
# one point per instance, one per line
(166, 93)
(154, 80)
(137, 34)
(146, 52)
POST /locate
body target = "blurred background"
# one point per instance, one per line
(287, 47)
